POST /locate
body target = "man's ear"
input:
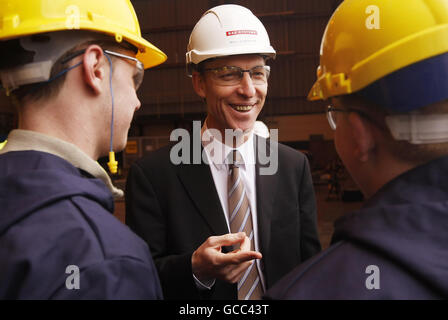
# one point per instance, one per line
(363, 137)
(94, 68)
(198, 84)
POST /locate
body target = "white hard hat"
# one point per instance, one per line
(227, 30)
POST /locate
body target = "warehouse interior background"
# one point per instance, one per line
(168, 101)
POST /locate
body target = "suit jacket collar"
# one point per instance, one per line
(198, 182)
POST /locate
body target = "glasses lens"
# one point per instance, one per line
(260, 74)
(139, 69)
(230, 76)
(227, 76)
(138, 76)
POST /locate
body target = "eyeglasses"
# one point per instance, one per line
(231, 75)
(332, 115)
(140, 70)
(138, 75)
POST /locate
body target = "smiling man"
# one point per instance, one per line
(222, 229)
(234, 98)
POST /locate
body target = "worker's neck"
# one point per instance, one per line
(61, 121)
(382, 171)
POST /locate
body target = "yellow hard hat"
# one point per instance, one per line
(20, 18)
(393, 52)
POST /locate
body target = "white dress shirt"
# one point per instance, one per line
(217, 157)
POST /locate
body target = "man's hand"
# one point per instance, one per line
(208, 261)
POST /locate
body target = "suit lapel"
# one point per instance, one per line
(266, 186)
(198, 182)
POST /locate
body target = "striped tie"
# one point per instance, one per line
(249, 286)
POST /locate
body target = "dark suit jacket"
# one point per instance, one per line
(175, 208)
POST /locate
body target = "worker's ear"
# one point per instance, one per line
(94, 65)
(199, 84)
(363, 137)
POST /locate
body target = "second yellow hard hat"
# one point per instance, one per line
(369, 40)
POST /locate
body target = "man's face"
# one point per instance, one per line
(126, 101)
(233, 106)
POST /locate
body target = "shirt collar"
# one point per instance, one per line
(21, 140)
(218, 152)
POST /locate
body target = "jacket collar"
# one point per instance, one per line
(23, 140)
(425, 183)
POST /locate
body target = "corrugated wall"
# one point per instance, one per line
(295, 28)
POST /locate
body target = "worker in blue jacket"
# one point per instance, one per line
(72, 69)
(384, 69)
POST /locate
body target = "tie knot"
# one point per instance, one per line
(235, 159)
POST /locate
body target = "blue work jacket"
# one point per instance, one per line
(59, 239)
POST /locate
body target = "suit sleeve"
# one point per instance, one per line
(310, 244)
(145, 217)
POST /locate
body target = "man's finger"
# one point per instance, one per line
(226, 240)
(245, 245)
(238, 257)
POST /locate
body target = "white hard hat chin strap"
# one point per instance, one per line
(419, 128)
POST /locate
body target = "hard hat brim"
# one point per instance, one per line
(148, 54)
(197, 57)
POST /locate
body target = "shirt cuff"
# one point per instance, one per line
(206, 285)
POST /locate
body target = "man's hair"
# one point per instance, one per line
(400, 149)
(13, 55)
